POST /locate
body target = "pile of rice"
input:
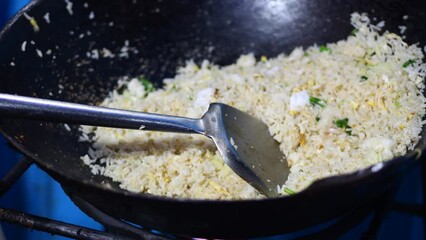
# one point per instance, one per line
(334, 109)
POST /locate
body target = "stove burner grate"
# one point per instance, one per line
(121, 230)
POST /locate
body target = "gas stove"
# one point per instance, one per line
(394, 208)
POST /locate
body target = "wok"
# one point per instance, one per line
(162, 35)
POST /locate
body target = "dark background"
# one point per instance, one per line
(35, 192)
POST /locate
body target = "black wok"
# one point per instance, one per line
(162, 35)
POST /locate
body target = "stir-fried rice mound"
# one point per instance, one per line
(334, 109)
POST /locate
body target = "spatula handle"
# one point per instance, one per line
(72, 113)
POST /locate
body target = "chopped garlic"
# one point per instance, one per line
(296, 54)
(47, 17)
(246, 60)
(203, 97)
(236, 78)
(24, 46)
(69, 7)
(233, 143)
(299, 100)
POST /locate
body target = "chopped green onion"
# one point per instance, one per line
(323, 48)
(289, 191)
(363, 78)
(408, 63)
(147, 85)
(316, 101)
(342, 123)
(174, 88)
(397, 103)
(354, 31)
(317, 119)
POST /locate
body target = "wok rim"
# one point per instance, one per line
(313, 188)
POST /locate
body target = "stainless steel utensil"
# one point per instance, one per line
(243, 141)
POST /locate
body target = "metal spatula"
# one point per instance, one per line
(243, 141)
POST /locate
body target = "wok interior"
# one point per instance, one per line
(164, 37)
(161, 36)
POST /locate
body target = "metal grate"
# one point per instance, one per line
(118, 229)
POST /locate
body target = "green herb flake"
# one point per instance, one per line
(289, 191)
(147, 85)
(363, 78)
(317, 119)
(316, 101)
(174, 88)
(408, 63)
(323, 48)
(342, 123)
(397, 103)
(354, 31)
